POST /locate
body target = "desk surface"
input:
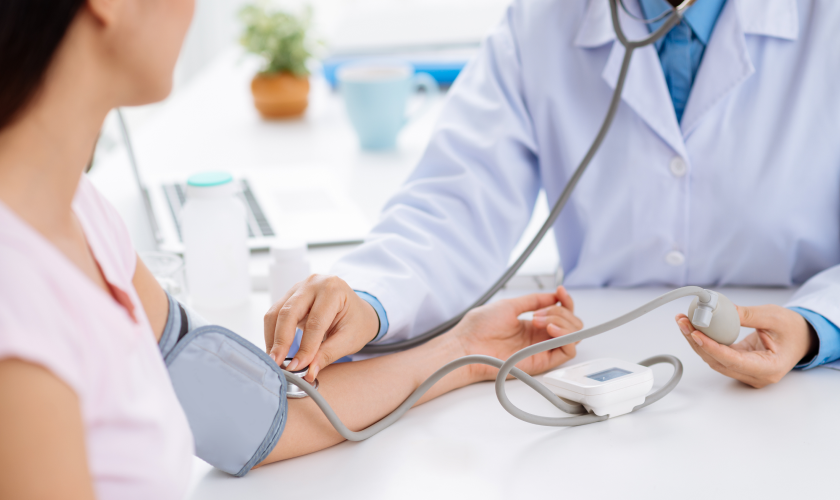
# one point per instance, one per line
(212, 124)
(712, 437)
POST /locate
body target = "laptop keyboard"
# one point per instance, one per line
(258, 226)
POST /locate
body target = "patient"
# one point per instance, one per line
(86, 404)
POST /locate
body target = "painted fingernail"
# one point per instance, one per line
(294, 364)
(696, 339)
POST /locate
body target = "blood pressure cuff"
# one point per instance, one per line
(234, 394)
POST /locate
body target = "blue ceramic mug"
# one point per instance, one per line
(376, 96)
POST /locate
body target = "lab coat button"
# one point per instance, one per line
(675, 258)
(678, 166)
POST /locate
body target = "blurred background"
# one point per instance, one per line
(352, 26)
(449, 28)
(312, 175)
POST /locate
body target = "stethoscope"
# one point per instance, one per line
(672, 18)
(711, 312)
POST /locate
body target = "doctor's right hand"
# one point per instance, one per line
(782, 338)
(334, 320)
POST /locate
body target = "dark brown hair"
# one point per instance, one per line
(30, 32)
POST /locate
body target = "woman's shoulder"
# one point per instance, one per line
(34, 325)
(25, 290)
(26, 260)
(106, 232)
(45, 301)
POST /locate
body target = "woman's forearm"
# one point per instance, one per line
(363, 392)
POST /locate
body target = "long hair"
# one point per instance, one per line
(30, 33)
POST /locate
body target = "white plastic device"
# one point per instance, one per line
(605, 386)
(215, 230)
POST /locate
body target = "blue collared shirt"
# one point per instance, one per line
(681, 50)
(829, 339)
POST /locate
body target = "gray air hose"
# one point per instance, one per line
(629, 47)
(507, 368)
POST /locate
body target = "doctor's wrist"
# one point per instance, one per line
(370, 321)
(379, 318)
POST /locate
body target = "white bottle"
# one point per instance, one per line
(215, 231)
(289, 265)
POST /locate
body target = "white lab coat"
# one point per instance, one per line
(743, 192)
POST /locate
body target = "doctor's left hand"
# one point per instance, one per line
(782, 338)
(496, 330)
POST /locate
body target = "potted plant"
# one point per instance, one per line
(281, 88)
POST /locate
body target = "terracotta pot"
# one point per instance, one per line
(280, 95)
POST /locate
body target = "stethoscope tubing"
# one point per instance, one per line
(580, 416)
(630, 46)
(508, 368)
(680, 8)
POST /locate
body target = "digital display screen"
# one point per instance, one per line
(608, 374)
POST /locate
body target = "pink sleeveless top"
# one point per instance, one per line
(139, 444)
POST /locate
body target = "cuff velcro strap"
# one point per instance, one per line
(234, 394)
(234, 397)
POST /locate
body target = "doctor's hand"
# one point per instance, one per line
(334, 320)
(781, 339)
(496, 330)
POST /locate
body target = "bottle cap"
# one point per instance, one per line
(288, 250)
(211, 185)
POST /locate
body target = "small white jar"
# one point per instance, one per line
(289, 265)
(215, 232)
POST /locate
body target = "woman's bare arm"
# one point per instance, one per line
(42, 455)
(347, 386)
(363, 392)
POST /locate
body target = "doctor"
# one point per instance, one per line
(722, 168)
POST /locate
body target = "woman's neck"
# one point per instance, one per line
(45, 150)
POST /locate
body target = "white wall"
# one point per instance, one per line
(343, 25)
(214, 28)
(348, 25)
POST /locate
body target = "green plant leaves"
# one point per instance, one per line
(277, 36)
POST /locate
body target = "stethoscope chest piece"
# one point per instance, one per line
(293, 391)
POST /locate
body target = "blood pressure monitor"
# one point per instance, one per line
(603, 386)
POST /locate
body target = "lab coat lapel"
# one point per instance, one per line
(726, 65)
(645, 90)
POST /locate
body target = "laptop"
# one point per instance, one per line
(281, 202)
(320, 215)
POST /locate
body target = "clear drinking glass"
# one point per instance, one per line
(168, 269)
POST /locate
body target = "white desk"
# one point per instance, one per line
(711, 437)
(212, 125)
